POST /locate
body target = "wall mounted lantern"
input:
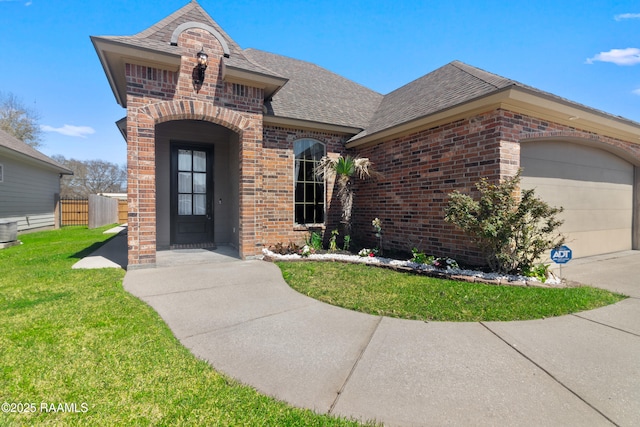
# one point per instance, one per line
(198, 72)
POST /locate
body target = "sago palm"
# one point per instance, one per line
(345, 168)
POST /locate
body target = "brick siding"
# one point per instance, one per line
(276, 213)
(421, 169)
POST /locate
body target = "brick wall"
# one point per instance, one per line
(275, 213)
(421, 169)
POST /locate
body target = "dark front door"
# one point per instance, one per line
(191, 194)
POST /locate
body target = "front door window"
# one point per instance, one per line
(192, 182)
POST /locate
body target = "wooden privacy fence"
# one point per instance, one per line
(74, 212)
(123, 211)
(78, 212)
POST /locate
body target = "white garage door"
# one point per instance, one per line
(595, 188)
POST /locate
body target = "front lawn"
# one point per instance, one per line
(76, 349)
(389, 293)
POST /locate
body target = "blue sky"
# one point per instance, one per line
(586, 52)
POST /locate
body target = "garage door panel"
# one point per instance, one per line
(566, 153)
(588, 243)
(585, 220)
(594, 187)
(570, 194)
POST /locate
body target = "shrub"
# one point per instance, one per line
(540, 272)
(333, 246)
(513, 232)
(347, 243)
(280, 248)
(306, 251)
(315, 241)
(421, 257)
(445, 263)
(368, 252)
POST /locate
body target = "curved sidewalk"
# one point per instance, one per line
(242, 317)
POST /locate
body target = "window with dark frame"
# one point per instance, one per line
(309, 188)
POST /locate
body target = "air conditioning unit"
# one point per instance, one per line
(8, 231)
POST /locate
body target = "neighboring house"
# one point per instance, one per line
(29, 185)
(229, 160)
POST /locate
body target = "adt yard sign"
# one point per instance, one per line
(561, 255)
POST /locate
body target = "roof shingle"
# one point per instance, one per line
(12, 143)
(316, 94)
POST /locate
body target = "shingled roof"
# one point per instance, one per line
(300, 90)
(453, 85)
(155, 43)
(22, 149)
(316, 94)
(450, 85)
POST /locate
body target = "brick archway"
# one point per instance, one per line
(625, 150)
(141, 145)
(198, 110)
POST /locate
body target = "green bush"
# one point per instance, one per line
(314, 241)
(513, 232)
(420, 257)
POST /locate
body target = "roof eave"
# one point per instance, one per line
(114, 55)
(518, 100)
(271, 84)
(122, 127)
(308, 125)
(48, 165)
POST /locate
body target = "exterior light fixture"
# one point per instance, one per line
(203, 60)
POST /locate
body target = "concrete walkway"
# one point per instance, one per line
(575, 370)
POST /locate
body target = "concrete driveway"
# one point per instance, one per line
(575, 370)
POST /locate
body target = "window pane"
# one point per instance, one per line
(199, 161)
(317, 151)
(309, 211)
(299, 193)
(200, 204)
(320, 192)
(199, 182)
(309, 193)
(184, 182)
(300, 214)
(184, 160)
(299, 171)
(184, 204)
(308, 171)
(319, 214)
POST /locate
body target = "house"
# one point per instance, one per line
(29, 185)
(222, 141)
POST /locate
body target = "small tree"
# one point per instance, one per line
(345, 168)
(91, 177)
(513, 232)
(18, 120)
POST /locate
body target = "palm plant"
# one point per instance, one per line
(345, 169)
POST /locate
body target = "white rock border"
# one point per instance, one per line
(453, 273)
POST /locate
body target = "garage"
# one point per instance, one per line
(594, 186)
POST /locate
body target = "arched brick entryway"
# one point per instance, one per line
(141, 153)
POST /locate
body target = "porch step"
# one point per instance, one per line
(209, 245)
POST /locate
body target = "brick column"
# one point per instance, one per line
(250, 155)
(141, 188)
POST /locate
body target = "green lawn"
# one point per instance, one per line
(384, 292)
(76, 337)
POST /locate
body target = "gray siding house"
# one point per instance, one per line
(29, 184)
